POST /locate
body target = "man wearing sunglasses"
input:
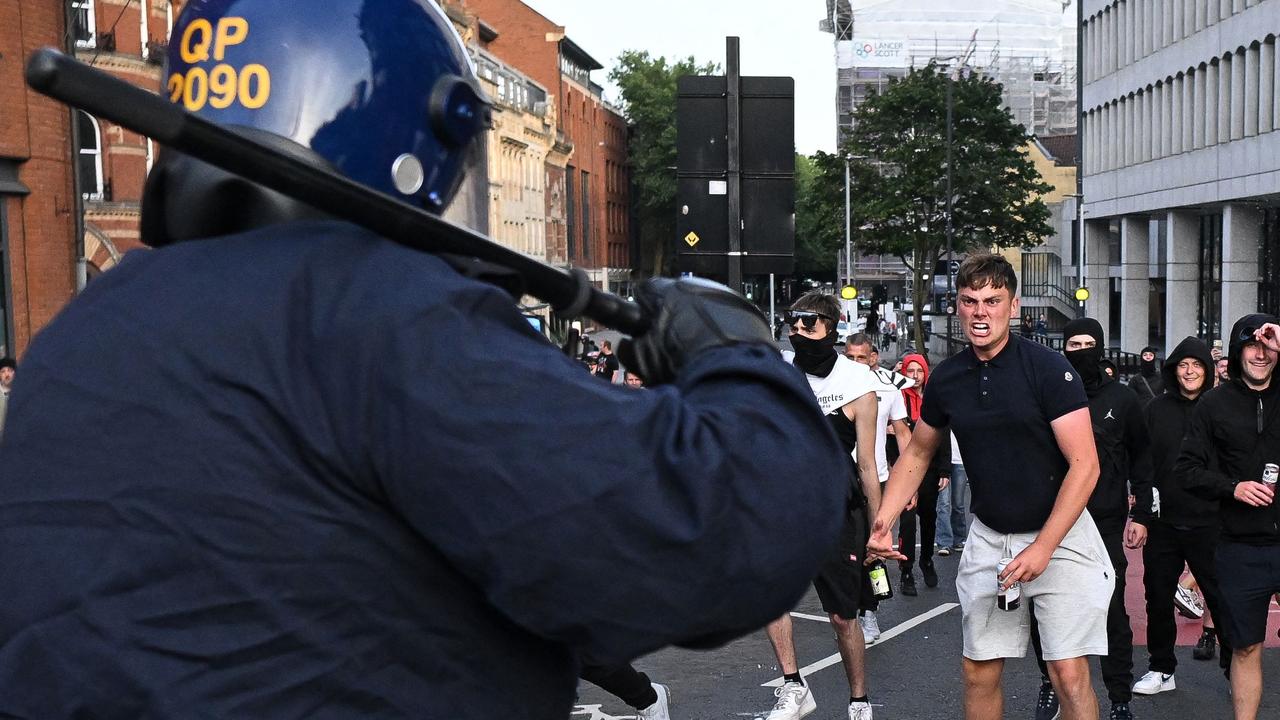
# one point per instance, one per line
(846, 392)
(1234, 433)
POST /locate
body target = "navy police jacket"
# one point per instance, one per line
(305, 472)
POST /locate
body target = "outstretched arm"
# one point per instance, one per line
(904, 481)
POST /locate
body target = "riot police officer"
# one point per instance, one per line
(273, 468)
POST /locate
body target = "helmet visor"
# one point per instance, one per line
(470, 204)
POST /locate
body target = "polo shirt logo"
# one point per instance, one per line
(1068, 376)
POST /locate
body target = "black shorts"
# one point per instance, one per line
(1248, 575)
(842, 579)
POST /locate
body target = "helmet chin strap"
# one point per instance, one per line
(188, 199)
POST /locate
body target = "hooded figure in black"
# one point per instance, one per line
(1181, 528)
(1123, 461)
(1233, 434)
(1149, 382)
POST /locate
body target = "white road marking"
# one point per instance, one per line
(887, 635)
(593, 712)
(806, 616)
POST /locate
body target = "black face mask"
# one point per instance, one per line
(1087, 364)
(815, 357)
(1148, 367)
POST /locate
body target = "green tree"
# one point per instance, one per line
(899, 146)
(648, 87)
(819, 214)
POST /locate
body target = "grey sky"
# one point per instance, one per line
(778, 38)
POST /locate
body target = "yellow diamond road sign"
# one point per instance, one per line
(692, 238)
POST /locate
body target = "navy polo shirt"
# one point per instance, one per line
(1000, 410)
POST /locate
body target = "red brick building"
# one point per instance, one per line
(590, 198)
(51, 240)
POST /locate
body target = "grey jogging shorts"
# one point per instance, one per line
(1070, 598)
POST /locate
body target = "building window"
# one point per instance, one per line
(570, 212)
(6, 316)
(82, 23)
(90, 160)
(586, 215)
(1269, 264)
(1210, 280)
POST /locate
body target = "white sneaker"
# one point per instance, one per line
(870, 627)
(1188, 603)
(1154, 682)
(794, 702)
(658, 710)
(859, 711)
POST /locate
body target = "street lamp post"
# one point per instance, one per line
(1082, 252)
(848, 226)
(950, 195)
(1084, 245)
(1081, 231)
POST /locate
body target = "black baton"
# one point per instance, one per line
(62, 78)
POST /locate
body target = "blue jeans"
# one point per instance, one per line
(953, 517)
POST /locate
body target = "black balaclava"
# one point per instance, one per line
(815, 357)
(1087, 362)
(1150, 368)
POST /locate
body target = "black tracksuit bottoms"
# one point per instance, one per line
(927, 511)
(623, 682)
(1117, 664)
(1167, 549)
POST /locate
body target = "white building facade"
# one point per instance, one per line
(1023, 44)
(1181, 123)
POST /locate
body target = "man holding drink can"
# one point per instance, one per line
(1229, 453)
(1005, 397)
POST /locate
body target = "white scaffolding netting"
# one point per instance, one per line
(1028, 46)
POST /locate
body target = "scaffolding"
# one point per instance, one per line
(1028, 46)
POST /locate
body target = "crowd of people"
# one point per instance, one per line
(1170, 461)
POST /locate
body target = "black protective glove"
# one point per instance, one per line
(689, 315)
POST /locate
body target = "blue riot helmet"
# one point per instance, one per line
(381, 91)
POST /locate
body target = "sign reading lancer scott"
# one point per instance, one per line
(861, 52)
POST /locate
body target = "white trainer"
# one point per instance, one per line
(658, 710)
(870, 627)
(794, 702)
(1188, 603)
(1154, 682)
(860, 711)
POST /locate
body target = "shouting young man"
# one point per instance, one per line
(1004, 397)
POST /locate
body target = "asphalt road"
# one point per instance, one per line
(913, 672)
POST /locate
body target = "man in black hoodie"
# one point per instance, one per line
(1234, 433)
(1124, 460)
(1148, 383)
(1181, 528)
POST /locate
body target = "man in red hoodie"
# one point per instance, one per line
(925, 504)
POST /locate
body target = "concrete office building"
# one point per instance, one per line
(1181, 166)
